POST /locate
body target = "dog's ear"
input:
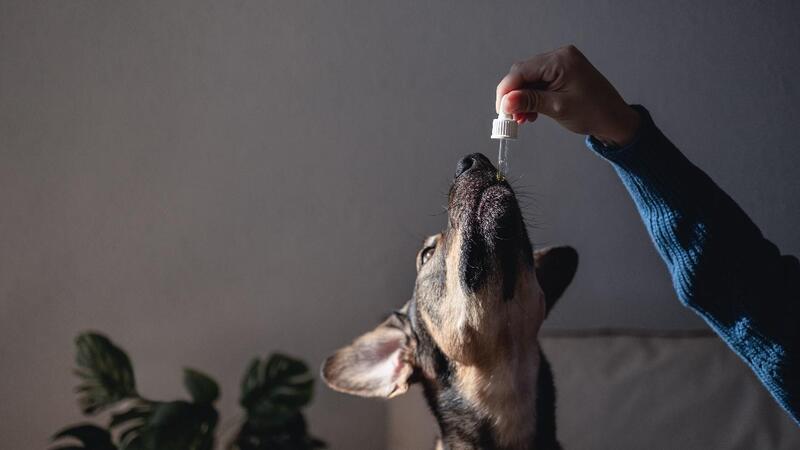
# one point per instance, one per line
(555, 267)
(377, 364)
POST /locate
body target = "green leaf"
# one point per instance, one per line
(137, 442)
(177, 425)
(139, 413)
(292, 435)
(132, 423)
(90, 436)
(182, 425)
(273, 391)
(105, 371)
(132, 438)
(201, 387)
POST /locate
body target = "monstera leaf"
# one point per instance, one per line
(90, 436)
(291, 435)
(132, 424)
(105, 371)
(177, 425)
(200, 386)
(273, 391)
(181, 425)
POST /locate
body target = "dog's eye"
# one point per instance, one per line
(426, 255)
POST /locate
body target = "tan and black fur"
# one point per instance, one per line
(469, 333)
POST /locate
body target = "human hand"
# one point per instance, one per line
(564, 85)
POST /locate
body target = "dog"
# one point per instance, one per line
(469, 333)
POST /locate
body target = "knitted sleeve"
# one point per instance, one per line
(721, 265)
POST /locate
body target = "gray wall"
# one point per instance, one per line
(208, 181)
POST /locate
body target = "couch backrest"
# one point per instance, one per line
(636, 390)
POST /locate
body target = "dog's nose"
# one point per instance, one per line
(464, 165)
(475, 160)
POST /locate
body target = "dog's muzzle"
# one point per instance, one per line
(486, 213)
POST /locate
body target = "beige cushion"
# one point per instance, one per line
(623, 390)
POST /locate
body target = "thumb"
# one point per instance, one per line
(528, 101)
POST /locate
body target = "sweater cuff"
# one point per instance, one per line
(632, 151)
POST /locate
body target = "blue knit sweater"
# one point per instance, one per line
(721, 265)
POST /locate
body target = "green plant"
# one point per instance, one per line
(273, 393)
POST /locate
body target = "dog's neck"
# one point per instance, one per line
(504, 395)
(505, 406)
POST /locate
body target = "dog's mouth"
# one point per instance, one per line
(485, 212)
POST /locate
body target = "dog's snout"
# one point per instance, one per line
(473, 161)
(464, 164)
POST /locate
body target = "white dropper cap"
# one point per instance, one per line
(504, 127)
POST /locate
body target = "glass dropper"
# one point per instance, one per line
(504, 129)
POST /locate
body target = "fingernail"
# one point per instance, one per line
(505, 106)
(511, 104)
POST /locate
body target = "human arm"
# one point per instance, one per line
(721, 265)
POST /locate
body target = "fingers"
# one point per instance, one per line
(510, 82)
(519, 101)
(528, 101)
(532, 71)
(525, 117)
